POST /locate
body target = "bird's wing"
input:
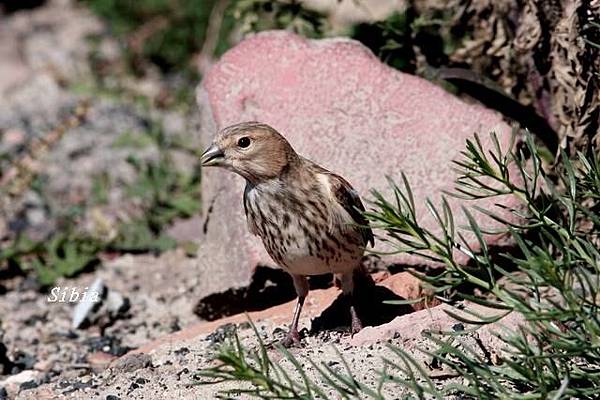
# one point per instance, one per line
(348, 198)
(249, 218)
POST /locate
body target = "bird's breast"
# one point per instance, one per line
(296, 232)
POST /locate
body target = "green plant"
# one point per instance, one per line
(166, 194)
(64, 254)
(270, 380)
(260, 15)
(100, 186)
(390, 39)
(164, 32)
(552, 281)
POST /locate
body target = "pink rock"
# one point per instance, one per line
(408, 326)
(409, 287)
(436, 320)
(318, 301)
(340, 106)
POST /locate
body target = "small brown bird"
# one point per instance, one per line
(309, 219)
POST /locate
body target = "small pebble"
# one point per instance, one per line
(458, 327)
(132, 362)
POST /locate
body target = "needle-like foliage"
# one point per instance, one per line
(551, 280)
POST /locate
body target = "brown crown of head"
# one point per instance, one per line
(253, 150)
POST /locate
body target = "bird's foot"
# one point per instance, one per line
(291, 339)
(355, 325)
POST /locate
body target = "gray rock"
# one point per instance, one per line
(71, 167)
(55, 37)
(132, 362)
(44, 53)
(23, 380)
(13, 70)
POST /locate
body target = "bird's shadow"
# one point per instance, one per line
(371, 308)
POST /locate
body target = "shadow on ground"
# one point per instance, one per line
(271, 287)
(372, 309)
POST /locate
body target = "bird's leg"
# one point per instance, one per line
(347, 283)
(293, 337)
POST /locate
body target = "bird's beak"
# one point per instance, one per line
(213, 156)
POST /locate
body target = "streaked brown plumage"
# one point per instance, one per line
(308, 218)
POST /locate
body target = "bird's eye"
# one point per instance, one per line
(244, 142)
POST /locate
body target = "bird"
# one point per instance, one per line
(310, 220)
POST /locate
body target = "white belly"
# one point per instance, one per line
(300, 259)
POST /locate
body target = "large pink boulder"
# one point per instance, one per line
(340, 106)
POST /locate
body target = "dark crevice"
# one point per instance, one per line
(11, 6)
(6, 364)
(477, 87)
(10, 270)
(208, 212)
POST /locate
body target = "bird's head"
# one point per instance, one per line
(253, 150)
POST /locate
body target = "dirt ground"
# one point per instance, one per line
(85, 363)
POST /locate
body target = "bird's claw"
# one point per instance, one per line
(291, 339)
